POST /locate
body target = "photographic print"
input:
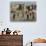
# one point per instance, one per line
(23, 11)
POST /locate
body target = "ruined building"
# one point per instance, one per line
(10, 40)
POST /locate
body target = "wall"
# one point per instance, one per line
(11, 40)
(39, 44)
(30, 30)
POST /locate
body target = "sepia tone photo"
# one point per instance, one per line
(23, 11)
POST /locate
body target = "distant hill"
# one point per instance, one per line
(39, 40)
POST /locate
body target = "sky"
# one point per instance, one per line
(31, 30)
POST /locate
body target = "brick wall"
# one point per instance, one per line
(11, 40)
